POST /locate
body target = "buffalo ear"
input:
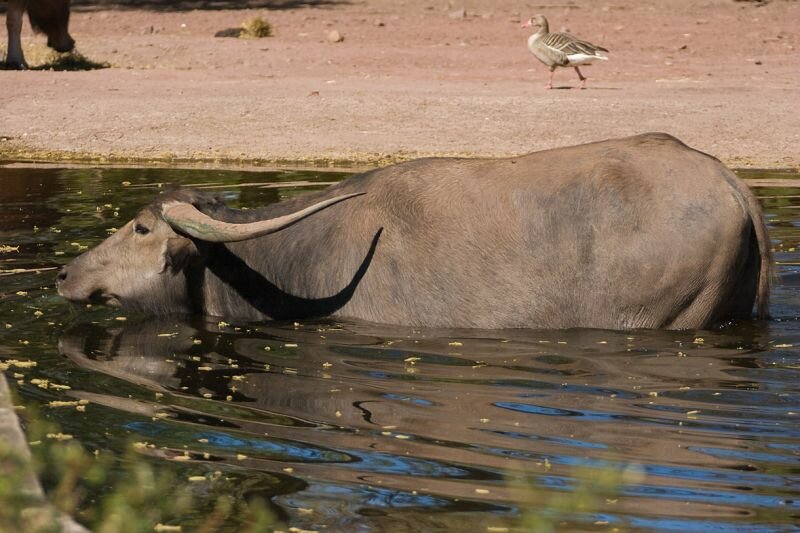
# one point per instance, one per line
(180, 253)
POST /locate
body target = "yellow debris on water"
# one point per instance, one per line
(165, 528)
(41, 383)
(455, 343)
(74, 403)
(294, 529)
(5, 365)
(59, 436)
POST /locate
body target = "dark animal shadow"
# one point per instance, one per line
(70, 61)
(272, 301)
(577, 88)
(204, 5)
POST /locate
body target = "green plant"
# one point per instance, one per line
(112, 493)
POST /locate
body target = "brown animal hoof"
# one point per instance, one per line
(62, 45)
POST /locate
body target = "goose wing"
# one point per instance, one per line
(569, 44)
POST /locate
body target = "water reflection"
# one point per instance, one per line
(434, 418)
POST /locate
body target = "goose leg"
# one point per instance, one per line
(582, 77)
(550, 79)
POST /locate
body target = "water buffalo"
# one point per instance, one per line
(640, 232)
(50, 17)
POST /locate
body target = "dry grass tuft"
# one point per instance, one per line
(254, 28)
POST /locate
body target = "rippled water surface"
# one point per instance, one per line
(352, 426)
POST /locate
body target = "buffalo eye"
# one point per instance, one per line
(141, 230)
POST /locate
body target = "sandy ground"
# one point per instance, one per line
(410, 78)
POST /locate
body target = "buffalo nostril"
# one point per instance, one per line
(62, 275)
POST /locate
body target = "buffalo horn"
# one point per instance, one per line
(188, 219)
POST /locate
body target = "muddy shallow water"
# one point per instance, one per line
(353, 426)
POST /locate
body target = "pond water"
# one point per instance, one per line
(353, 426)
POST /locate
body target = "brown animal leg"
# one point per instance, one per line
(51, 17)
(15, 58)
(582, 77)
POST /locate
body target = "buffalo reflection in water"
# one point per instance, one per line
(470, 397)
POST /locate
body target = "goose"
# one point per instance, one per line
(561, 49)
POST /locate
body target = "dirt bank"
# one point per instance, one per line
(409, 78)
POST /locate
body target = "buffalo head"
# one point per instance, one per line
(144, 265)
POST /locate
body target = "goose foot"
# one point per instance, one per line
(582, 77)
